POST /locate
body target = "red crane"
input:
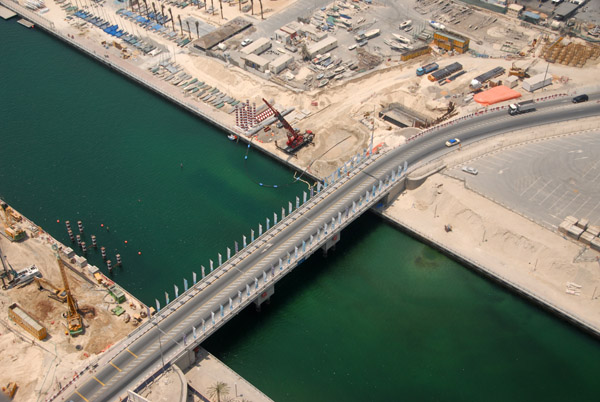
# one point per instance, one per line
(295, 139)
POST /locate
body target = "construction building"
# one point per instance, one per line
(280, 63)
(532, 17)
(19, 316)
(259, 46)
(514, 10)
(537, 81)
(411, 54)
(322, 46)
(451, 41)
(257, 62)
(564, 11)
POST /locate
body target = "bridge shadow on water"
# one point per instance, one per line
(291, 287)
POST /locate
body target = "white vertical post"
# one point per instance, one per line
(212, 316)
(236, 246)
(405, 165)
(239, 297)
(194, 277)
(264, 277)
(220, 259)
(251, 235)
(297, 202)
(280, 264)
(282, 213)
(157, 305)
(295, 252)
(274, 218)
(339, 217)
(268, 223)
(167, 298)
(318, 187)
(312, 192)
(247, 290)
(185, 285)
(303, 246)
(255, 283)
(221, 308)
(203, 325)
(259, 229)
(304, 195)
(289, 258)
(244, 241)
(230, 304)
(311, 240)
(212, 267)
(203, 274)
(176, 291)
(289, 207)
(228, 253)
(194, 331)
(353, 206)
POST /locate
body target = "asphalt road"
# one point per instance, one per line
(111, 380)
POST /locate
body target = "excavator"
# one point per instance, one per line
(7, 273)
(521, 72)
(10, 217)
(74, 320)
(295, 139)
(55, 292)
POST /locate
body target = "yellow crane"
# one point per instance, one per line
(9, 217)
(74, 321)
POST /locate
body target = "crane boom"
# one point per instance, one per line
(74, 322)
(288, 127)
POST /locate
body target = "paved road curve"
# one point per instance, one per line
(111, 380)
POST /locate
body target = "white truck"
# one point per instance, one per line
(521, 107)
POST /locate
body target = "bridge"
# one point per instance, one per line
(314, 222)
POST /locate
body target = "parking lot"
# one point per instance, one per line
(545, 181)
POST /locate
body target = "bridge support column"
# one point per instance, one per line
(331, 242)
(187, 359)
(265, 296)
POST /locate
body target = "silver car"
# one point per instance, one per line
(470, 170)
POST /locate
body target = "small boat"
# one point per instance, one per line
(232, 137)
(323, 83)
(320, 76)
(220, 105)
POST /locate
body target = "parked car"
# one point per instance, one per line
(452, 142)
(580, 98)
(246, 42)
(470, 170)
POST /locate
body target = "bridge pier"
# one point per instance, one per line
(265, 296)
(331, 242)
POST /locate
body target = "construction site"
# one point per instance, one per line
(311, 91)
(58, 316)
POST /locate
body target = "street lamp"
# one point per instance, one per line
(159, 343)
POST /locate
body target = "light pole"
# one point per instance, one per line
(159, 344)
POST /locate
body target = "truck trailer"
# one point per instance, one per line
(445, 72)
(521, 107)
(427, 69)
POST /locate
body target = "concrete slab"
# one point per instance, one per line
(208, 370)
(6, 13)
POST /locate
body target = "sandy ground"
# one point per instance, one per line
(506, 244)
(40, 368)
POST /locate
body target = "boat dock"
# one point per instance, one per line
(6, 13)
(25, 23)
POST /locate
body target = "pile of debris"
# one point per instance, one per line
(367, 60)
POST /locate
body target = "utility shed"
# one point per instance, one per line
(259, 46)
(280, 63)
(322, 46)
(512, 81)
(537, 81)
(565, 11)
(531, 17)
(257, 62)
(19, 316)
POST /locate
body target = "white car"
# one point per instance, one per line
(470, 170)
(452, 142)
(246, 42)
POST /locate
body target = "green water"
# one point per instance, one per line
(382, 318)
